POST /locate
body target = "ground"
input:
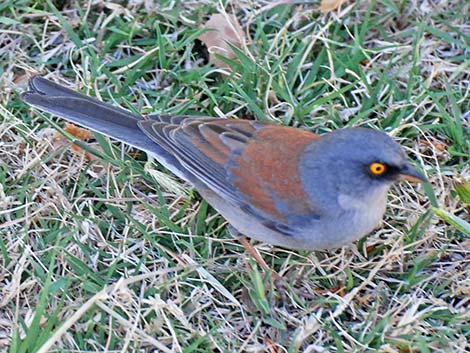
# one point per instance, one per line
(104, 251)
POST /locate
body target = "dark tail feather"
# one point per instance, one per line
(95, 115)
(90, 113)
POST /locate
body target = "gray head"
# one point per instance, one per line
(356, 162)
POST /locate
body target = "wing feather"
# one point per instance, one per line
(250, 164)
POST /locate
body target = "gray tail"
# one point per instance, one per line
(90, 113)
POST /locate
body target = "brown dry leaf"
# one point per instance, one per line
(79, 133)
(341, 290)
(224, 29)
(22, 80)
(270, 345)
(331, 5)
(440, 146)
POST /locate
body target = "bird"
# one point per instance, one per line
(276, 184)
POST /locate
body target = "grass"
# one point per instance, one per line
(106, 252)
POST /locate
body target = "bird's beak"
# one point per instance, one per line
(411, 174)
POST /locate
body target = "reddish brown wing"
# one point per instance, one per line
(252, 164)
(266, 172)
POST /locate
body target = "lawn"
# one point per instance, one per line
(102, 249)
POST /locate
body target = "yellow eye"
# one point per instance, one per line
(377, 168)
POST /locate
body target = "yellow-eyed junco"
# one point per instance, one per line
(276, 184)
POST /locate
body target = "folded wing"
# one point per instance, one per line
(253, 165)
